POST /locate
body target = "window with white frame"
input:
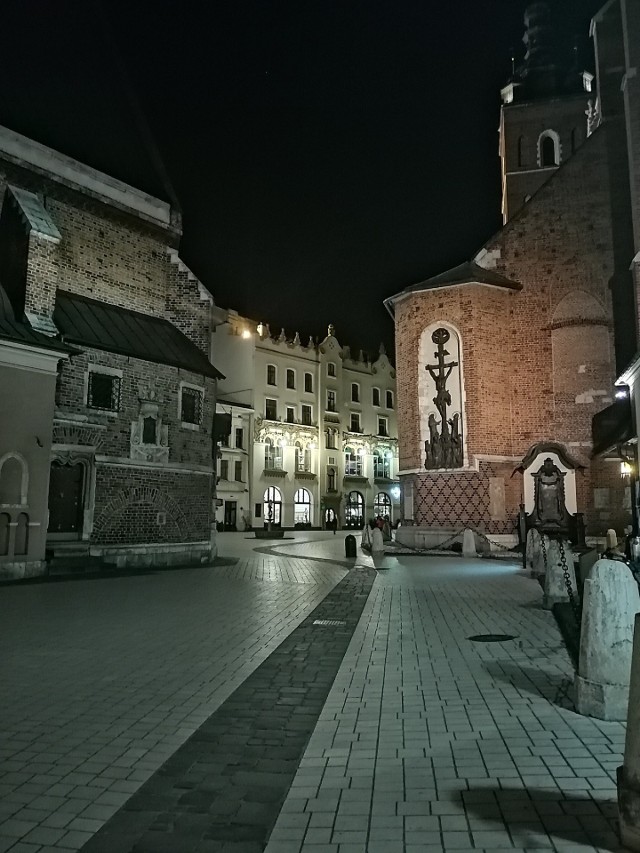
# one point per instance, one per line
(375, 396)
(191, 405)
(291, 378)
(224, 469)
(389, 401)
(303, 458)
(103, 389)
(383, 426)
(352, 463)
(331, 401)
(271, 374)
(291, 414)
(354, 422)
(382, 464)
(307, 414)
(332, 439)
(355, 392)
(272, 455)
(331, 368)
(308, 383)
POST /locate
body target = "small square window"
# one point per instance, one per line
(270, 410)
(191, 406)
(308, 383)
(103, 391)
(291, 378)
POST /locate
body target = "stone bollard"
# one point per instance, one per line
(377, 542)
(469, 544)
(533, 551)
(612, 539)
(629, 773)
(610, 604)
(555, 586)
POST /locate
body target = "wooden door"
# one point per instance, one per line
(66, 485)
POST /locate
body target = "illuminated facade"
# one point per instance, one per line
(323, 427)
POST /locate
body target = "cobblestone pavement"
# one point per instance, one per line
(427, 741)
(103, 679)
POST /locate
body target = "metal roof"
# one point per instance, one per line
(467, 273)
(107, 327)
(20, 333)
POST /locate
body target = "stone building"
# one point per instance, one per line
(91, 275)
(513, 352)
(320, 424)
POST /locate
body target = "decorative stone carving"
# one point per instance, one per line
(550, 511)
(443, 448)
(149, 437)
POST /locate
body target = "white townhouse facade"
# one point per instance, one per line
(317, 425)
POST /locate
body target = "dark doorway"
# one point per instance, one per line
(66, 486)
(230, 515)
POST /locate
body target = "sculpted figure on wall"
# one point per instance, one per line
(443, 448)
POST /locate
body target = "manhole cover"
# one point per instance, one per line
(329, 623)
(491, 638)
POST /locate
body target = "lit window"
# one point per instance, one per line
(271, 374)
(103, 391)
(191, 405)
(272, 455)
(308, 383)
(381, 465)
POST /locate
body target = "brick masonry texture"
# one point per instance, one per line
(537, 364)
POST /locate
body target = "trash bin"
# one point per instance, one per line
(350, 549)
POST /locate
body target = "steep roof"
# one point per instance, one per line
(107, 327)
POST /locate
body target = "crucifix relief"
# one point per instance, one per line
(443, 448)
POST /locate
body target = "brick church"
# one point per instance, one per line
(107, 393)
(505, 359)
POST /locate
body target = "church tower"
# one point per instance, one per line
(543, 115)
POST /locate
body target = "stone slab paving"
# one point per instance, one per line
(431, 742)
(102, 680)
(221, 792)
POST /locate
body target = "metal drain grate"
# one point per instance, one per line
(491, 638)
(329, 623)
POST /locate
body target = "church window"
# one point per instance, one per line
(548, 149)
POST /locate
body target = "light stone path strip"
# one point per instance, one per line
(101, 680)
(430, 742)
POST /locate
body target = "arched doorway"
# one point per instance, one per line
(272, 509)
(354, 510)
(302, 508)
(382, 505)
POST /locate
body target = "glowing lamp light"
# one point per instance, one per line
(622, 392)
(361, 451)
(312, 445)
(246, 334)
(389, 455)
(625, 469)
(395, 492)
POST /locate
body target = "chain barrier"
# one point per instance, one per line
(575, 604)
(543, 546)
(442, 546)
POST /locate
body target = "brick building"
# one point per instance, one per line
(89, 267)
(515, 351)
(313, 429)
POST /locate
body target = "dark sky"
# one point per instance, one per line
(326, 153)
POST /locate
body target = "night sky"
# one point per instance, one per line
(325, 153)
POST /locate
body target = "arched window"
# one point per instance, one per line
(382, 505)
(548, 149)
(352, 463)
(13, 480)
(381, 464)
(522, 151)
(4, 533)
(22, 535)
(272, 506)
(272, 455)
(331, 480)
(302, 507)
(354, 510)
(303, 457)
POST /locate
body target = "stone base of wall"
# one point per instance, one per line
(152, 554)
(431, 537)
(16, 570)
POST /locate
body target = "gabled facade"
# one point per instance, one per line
(324, 433)
(93, 262)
